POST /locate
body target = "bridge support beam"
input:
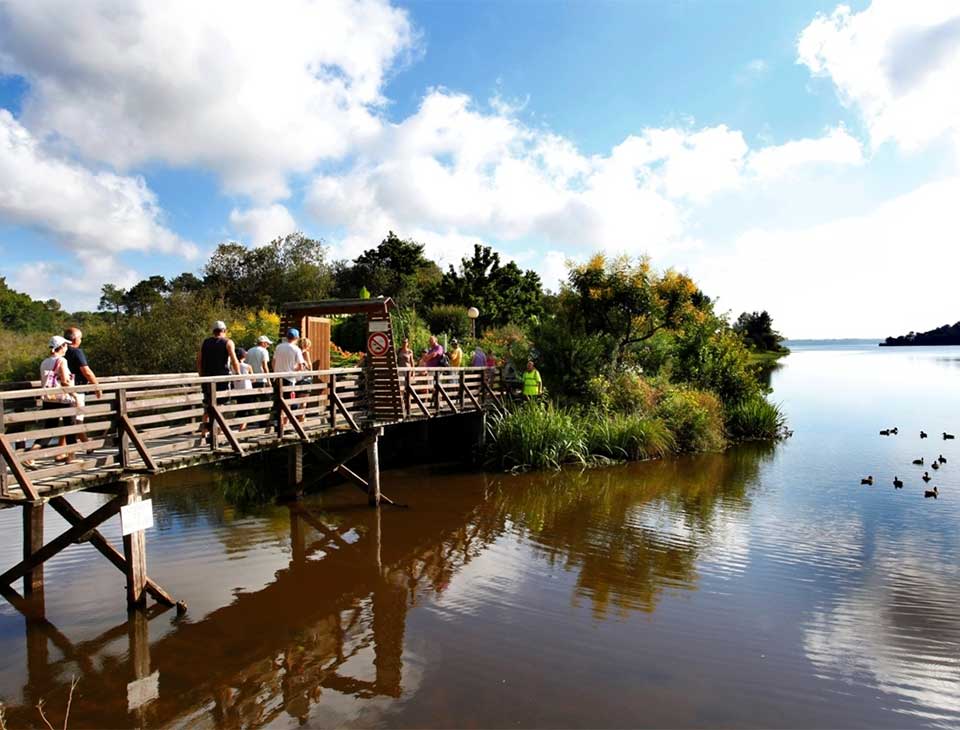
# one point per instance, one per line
(32, 542)
(373, 467)
(295, 467)
(135, 546)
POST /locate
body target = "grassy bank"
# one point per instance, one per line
(767, 358)
(682, 420)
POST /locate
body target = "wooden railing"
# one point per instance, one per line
(152, 423)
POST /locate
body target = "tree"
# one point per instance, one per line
(111, 300)
(502, 293)
(186, 282)
(291, 268)
(143, 296)
(630, 302)
(22, 313)
(396, 268)
(756, 330)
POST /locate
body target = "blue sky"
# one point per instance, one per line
(796, 156)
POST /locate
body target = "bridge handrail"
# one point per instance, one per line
(168, 379)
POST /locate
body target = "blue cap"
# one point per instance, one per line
(293, 332)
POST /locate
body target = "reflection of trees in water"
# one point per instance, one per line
(334, 620)
(631, 531)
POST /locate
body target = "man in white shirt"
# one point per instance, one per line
(288, 358)
(258, 358)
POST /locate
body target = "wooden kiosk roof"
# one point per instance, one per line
(326, 307)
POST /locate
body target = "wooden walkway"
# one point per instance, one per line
(152, 424)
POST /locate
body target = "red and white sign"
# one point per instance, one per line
(378, 343)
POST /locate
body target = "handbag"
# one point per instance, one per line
(53, 388)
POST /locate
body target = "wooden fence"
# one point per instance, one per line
(156, 423)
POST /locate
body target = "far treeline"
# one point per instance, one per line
(620, 337)
(948, 334)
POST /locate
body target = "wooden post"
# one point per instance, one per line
(277, 398)
(463, 388)
(406, 396)
(138, 632)
(373, 468)
(436, 393)
(295, 466)
(298, 546)
(32, 542)
(331, 401)
(123, 439)
(211, 421)
(3, 467)
(135, 547)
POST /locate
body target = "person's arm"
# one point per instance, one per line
(232, 354)
(200, 362)
(91, 378)
(539, 384)
(301, 361)
(266, 361)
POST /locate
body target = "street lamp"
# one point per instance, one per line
(473, 313)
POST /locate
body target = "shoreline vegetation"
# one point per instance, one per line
(948, 334)
(635, 361)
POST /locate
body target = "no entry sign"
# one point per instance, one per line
(378, 343)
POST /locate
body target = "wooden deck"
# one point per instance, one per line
(152, 424)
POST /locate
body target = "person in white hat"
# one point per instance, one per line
(258, 358)
(54, 375)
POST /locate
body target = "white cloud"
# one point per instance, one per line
(94, 212)
(452, 172)
(252, 90)
(262, 225)
(837, 147)
(835, 278)
(897, 62)
(75, 284)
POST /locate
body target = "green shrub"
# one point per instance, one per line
(21, 354)
(694, 417)
(626, 436)
(350, 333)
(569, 360)
(407, 323)
(624, 392)
(756, 418)
(537, 436)
(449, 319)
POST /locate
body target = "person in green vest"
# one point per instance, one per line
(532, 382)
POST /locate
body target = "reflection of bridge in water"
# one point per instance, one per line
(340, 604)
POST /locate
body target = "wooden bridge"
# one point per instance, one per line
(135, 427)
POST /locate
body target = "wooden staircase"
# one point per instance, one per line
(383, 385)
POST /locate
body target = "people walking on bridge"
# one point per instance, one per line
(243, 387)
(82, 375)
(405, 354)
(455, 354)
(54, 376)
(433, 355)
(217, 356)
(479, 358)
(258, 358)
(288, 358)
(532, 382)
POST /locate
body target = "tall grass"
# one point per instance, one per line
(694, 417)
(545, 436)
(627, 436)
(536, 436)
(756, 418)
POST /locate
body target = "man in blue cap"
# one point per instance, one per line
(288, 358)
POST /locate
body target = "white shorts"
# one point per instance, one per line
(81, 402)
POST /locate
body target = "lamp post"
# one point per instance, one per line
(473, 313)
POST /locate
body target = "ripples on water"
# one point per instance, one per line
(760, 588)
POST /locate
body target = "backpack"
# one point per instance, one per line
(444, 361)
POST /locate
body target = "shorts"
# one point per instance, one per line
(206, 392)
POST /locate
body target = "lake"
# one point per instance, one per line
(764, 587)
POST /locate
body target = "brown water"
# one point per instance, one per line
(759, 588)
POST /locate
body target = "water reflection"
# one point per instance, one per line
(332, 624)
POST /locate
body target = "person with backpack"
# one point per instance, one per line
(433, 356)
(54, 376)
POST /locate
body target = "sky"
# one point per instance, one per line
(797, 156)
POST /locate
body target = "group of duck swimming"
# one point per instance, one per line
(935, 464)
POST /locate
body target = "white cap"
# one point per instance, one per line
(264, 338)
(56, 342)
(219, 325)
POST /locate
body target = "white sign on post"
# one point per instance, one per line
(378, 326)
(136, 516)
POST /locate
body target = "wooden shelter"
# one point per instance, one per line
(312, 319)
